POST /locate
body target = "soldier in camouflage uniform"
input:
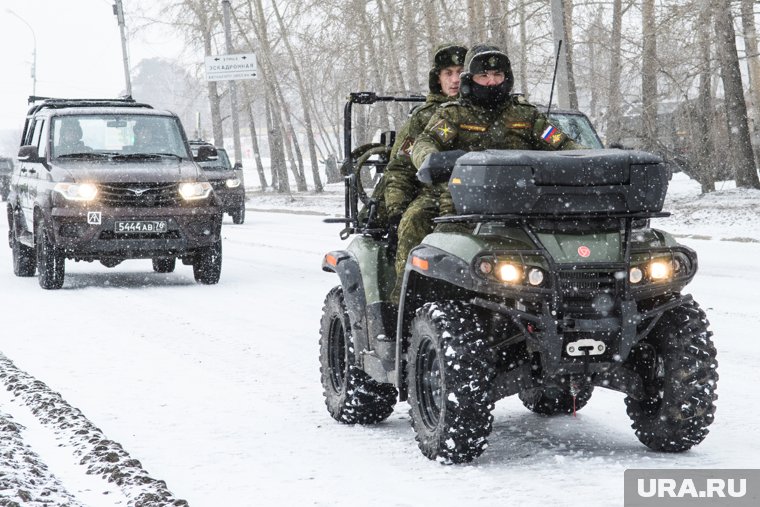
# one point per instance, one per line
(486, 116)
(401, 184)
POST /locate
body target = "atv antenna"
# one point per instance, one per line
(554, 77)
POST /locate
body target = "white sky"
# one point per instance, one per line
(78, 51)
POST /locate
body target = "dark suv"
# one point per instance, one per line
(109, 180)
(6, 169)
(226, 179)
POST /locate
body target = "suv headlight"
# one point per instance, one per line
(191, 191)
(77, 191)
(233, 183)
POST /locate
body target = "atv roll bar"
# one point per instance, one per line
(352, 184)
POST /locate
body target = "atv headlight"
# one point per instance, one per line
(77, 191)
(232, 183)
(535, 277)
(635, 275)
(509, 272)
(191, 191)
(660, 270)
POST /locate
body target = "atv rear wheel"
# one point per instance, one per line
(555, 400)
(351, 396)
(677, 363)
(449, 377)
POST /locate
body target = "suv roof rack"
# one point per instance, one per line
(57, 103)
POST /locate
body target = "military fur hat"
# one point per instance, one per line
(446, 55)
(481, 58)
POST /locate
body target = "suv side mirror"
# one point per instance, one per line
(238, 166)
(205, 153)
(28, 153)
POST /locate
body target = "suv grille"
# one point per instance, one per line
(218, 184)
(142, 195)
(580, 288)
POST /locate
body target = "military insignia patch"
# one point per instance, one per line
(551, 135)
(444, 131)
(406, 146)
(492, 62)
(519, 125)
(473, 128)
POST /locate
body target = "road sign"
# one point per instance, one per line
(230, 67)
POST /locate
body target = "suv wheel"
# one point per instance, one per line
(238, 217)
(207, 265)
(50, 260)
(449, 377)
(164, 264)
(678, 366)
(24, 259)
(351, 396)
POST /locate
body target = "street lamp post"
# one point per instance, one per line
(34, 51)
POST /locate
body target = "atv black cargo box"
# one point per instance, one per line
(559, 183)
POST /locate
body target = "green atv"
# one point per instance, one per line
(548, 283)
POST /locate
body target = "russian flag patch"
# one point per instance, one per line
(550, 130)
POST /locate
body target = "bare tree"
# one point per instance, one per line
(736, 107)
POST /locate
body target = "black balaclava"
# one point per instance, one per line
(481, 58)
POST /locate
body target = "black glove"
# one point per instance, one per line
(437, 167)
(392, 238)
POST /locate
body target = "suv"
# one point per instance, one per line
(109, 180)
(225, 179)
(6, 169)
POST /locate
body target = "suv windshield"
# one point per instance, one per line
(222, 161)
(578, 127)
(110, 135)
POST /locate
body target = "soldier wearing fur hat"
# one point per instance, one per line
(401, 184)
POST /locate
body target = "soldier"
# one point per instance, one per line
(401, 184)
(70, 138)
(485, 117)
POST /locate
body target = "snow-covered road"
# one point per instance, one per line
(215, 389)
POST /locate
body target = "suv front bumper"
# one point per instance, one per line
(84, 236)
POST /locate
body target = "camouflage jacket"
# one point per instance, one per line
(401, 184)
(459, 125)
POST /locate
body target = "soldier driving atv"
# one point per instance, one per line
(486, 116)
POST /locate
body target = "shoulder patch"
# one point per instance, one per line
(443, 130)
(552, 135)
(406, 146)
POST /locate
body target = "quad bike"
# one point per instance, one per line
(549, 283)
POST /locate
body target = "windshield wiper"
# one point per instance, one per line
(86, 154)
(146, 156)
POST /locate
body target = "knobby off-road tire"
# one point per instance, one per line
(207, 265)
(24, 257)
(51, 263)
(449, 377)
(555, 400)
(238, 217)
(351, 396)
(680, 406)
(164, 264)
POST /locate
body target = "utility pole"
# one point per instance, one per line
(558, 26)
(233, 85)
(118, 11)
(34, 51)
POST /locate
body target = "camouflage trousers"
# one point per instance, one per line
(416, 223)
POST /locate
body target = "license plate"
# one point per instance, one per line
(128, 226)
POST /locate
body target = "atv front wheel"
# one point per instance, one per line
(553, 400)
(351, 396)
(449, 377)
(677, 363)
